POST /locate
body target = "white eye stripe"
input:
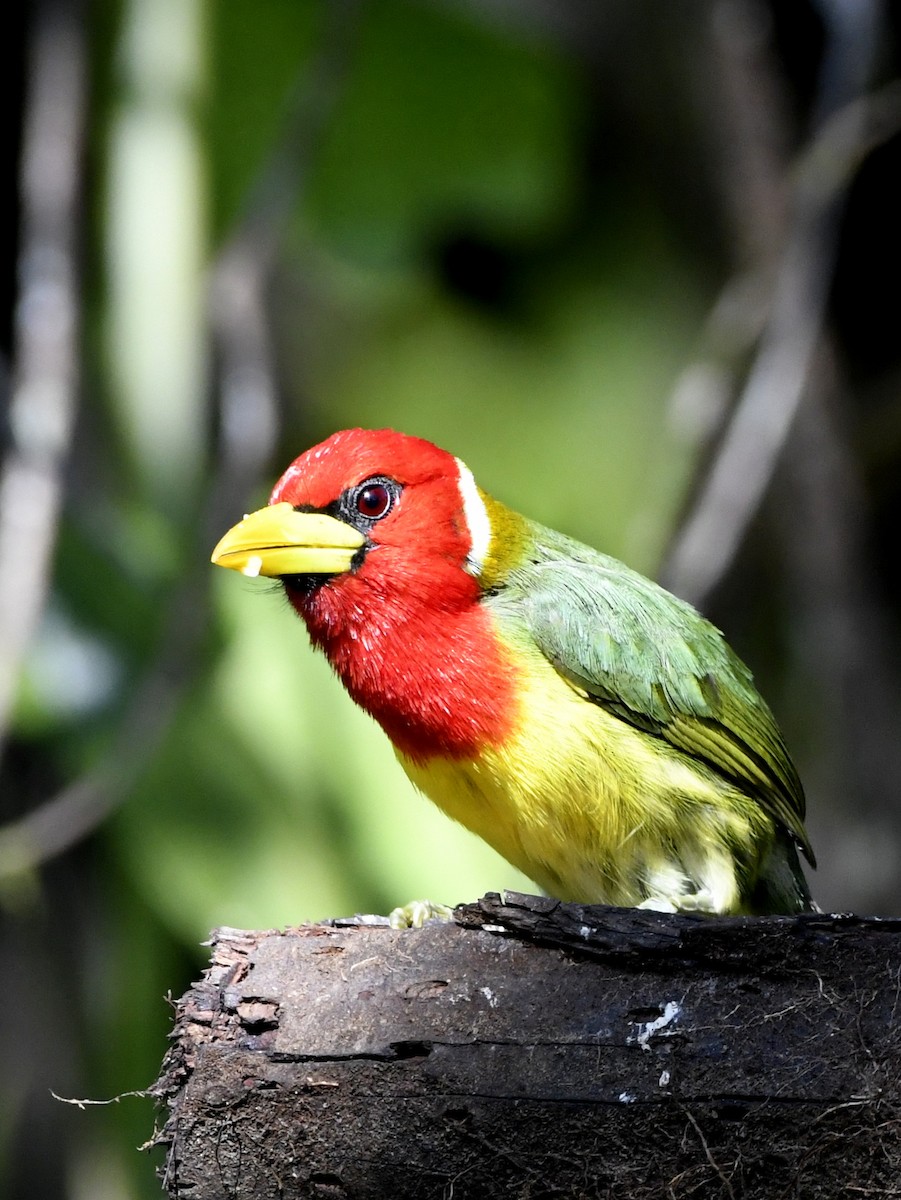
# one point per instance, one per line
(478, 523)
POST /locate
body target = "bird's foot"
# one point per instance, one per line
(415, 914)
(658, 904)
(701, 901)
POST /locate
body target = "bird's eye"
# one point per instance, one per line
(374, 500)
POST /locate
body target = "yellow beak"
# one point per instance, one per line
(279, 541)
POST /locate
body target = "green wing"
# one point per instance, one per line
(655, 662)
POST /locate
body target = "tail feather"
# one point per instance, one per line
(781, 886)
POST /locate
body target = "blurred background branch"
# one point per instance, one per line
(787, 229)
(632, 262)
(248, 421)
(45, 366)
(248, 390)
(730, 495)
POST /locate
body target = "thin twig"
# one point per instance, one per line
(141, 1094)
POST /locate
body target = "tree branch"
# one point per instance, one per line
(538, 1048)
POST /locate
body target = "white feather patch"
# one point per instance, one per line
(478, 523)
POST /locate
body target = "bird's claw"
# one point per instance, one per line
(689, 902)
(417, 913)
(658, 904)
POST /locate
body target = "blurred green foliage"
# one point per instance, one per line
(469, 242)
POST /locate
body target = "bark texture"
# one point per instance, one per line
(538, 1049)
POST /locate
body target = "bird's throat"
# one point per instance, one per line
(438, 687)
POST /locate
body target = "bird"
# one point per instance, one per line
(592, 727)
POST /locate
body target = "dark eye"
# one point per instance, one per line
(374, 500)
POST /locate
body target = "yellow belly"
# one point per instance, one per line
(596, 811)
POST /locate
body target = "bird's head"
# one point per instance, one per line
(385, 546)
(370, 518)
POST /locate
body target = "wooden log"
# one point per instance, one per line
(537, 1049)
